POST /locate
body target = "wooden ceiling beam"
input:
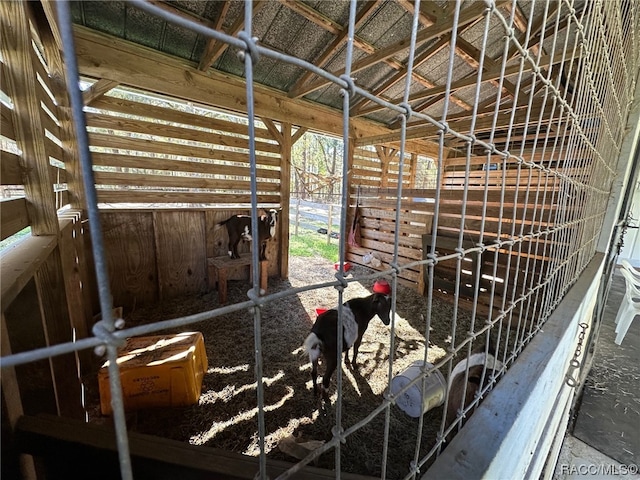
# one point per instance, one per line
(426, 18)
(491, 75)
(400, 75)
(471, 55)
(101, 55)
(442, 27)
(210, 47)
(460, 124)
(537, 27)
(519, 20)
(313, 16)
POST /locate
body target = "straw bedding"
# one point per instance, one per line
(226, 416)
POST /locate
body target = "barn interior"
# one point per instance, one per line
(190, 111)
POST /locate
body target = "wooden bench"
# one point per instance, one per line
(219, 268)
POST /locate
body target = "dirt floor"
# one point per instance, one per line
(226, 416)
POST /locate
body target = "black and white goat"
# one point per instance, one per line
(357, 313)
(239, 228)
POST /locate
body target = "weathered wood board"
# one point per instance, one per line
(131, 256)
(180, 250)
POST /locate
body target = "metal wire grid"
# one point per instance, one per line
(594, 110)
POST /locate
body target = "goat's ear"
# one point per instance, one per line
(377, 298)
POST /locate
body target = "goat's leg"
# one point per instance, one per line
(331, 364)
(233, 248)
(356, 346)
(263, 251)
(314, 376)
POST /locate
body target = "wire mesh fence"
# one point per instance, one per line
(530, 194)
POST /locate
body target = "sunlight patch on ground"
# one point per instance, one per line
(230, 391)
(271, 440)
(203, 437)
(348, 375)
(229, 370)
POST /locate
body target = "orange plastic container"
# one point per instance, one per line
(157, 371)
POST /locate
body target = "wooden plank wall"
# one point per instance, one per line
(14, 212)
(506, 171)
(519, 200)
(372, 169)
(47, 294)
(166, 153)
(532, 200)
(159, 254)
(158, 153)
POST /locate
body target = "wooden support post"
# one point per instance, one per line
(285, 142)
(413, 170)
(297, 214)
(264, 275)
(80, 314)
(50, 36)
(285, 199)
(51, 288)
(350, 188)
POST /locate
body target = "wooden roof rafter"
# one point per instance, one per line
(357, 107)
(214, 50)
(334, 46)
(427, 19)
(443, 26)
(206, 60)
(299, 88)
(471, 55)
(538, 27)
(489, 75)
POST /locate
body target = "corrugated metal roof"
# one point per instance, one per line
(306, 29)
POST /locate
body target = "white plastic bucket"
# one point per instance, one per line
(409, 401)
(474, 360)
